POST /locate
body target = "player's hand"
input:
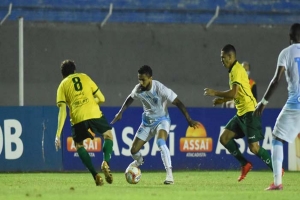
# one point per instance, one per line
(209, 92)
(57, 143)
(118, 116)
(194, 124)
(218, 101)
(259, 109)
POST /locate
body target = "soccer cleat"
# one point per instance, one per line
(169, 180)
(274, 187)
(105, 169)
(244, 171)
(134, 164)
(98, 180)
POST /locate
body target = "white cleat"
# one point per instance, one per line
(169, 180)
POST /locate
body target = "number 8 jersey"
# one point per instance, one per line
(77, 91)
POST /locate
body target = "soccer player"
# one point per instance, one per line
(80, 93)
(243, 123)
(287, 125)
(155, 119)
(253, 86)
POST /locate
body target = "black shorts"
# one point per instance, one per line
(89, 128)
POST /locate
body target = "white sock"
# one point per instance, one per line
(138, 158)
(277, 159)
(166, 158)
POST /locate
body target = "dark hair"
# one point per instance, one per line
(295, 32)
(67, 67)
(145, 69)
(229, 48)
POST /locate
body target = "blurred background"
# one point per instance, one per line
(180, 39)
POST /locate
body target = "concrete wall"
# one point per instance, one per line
(185, 57)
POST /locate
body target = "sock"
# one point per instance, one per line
(277, 159)
(86, 160)
(107, 150)
(165, 155)
(138, 158)
(265, 156)
(232, 147)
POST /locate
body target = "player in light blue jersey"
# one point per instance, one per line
(155, 118)
(287, 125)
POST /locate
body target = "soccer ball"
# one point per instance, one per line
(133, 175)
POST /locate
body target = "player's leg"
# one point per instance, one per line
(165, 154)
(253, 131)
(135, 152)
(285, 130)
(79, 133)
(260, 152)
(139, 140)
(233, 131)
(87, 161)
(107, 151)
(101, 125)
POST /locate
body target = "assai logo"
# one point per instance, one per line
(196, 143)
(91, 146)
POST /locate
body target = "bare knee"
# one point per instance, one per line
(226, 136)
(78, 145)
(108, 135)
(254, 147)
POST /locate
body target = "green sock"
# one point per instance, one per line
(107, 149)
(86, 160)
(232, 147)
(265, 156)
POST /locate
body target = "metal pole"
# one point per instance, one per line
(21, 63)
(8, 13)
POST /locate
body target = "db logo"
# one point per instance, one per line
(196, 141)
(89, 145)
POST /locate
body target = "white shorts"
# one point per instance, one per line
(145, 133)
(287, 125)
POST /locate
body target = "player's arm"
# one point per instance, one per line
(125, 105)
(226, 95)
(62, 114)
(99, 97)
(182, 108)
(270, 90)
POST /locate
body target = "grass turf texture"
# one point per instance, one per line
(188, 185)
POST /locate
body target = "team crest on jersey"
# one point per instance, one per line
(155, 100)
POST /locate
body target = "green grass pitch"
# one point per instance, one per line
(208, 185)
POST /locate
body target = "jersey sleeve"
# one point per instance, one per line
(60, 97)
(167, 93)
(236, 76)
(282, 59)
(92, 84)
(134, 92)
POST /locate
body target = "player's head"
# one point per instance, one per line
(228, 55)
(145, 77)
(67, 67)
(246, 65)
(295, 33)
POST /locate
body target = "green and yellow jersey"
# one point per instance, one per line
(77, 91)
(244, 101)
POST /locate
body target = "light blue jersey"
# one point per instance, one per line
(154, 102)
(290, 59)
